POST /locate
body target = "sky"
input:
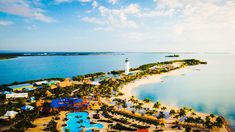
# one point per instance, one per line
(118, 25)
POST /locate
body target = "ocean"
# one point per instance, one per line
(205, 88)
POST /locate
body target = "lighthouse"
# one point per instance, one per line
(127, 66)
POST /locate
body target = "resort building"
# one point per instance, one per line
(21, 87)
(10, 114)
(48, 93)
(40, 103)
(17, 95)
(67, 82)
(39, 83)
(127, 66)
(94, 105)
(69, 103)
(27, 107)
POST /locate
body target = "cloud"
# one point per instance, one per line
(93, 20)
(24, 9)
(132, 9)
(5, 23)
(113, 1)
(31, 27)
(94, 4)
(118, 18)
(138, 36)
(70, 1)
(106, 29)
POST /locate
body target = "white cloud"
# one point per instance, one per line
(113, 1)
(93, 20)
(24, 9)
(94, 4)
(132, 9)
(5, 23)
(118, 18)
(31, 27)
(69, 1)
(106, 29)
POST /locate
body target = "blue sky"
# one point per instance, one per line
(117, 25)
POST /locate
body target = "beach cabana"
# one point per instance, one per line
(20, 87)
(27, 107)
(10, 114)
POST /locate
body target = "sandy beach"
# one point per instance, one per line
(128, 89)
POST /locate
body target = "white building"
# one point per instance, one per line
(17, 95)
(127, 66)
(41, 82)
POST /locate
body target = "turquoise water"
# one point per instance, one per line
(37, 67)
(74, 126)
(211, 89)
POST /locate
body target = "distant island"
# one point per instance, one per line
(175, 55)
(100, 101)
(5, 57)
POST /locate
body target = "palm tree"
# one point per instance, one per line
(157, 105)
(172, 112)
(133, 100)
(163, 108)
(182, 112)
(147, 100)
(139, 106)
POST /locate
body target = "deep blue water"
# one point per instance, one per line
(212, 89)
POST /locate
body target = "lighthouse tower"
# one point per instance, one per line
(127, 66)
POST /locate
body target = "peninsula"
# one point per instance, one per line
(100, 102)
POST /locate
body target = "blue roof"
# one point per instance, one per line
(20, 85)
(7, 92)
(27, 107)
(64, 102)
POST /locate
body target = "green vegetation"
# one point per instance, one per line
(51, 126)
(5, 57)
(117, 72)
(173, 55)
(91, 75)
(119, 126)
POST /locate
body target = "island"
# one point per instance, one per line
(5, 57)
(100, 102)
(175, 55)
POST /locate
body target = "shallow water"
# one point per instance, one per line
(206, 88)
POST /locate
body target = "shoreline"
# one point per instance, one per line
(157, 78)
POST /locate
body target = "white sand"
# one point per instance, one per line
(128, 89)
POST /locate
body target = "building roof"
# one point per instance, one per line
(7, 92)
(20, 86)
(10, 113)
(27, 107)
(142, 130)
(41, 82)
(65, 102)
(52, 82)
